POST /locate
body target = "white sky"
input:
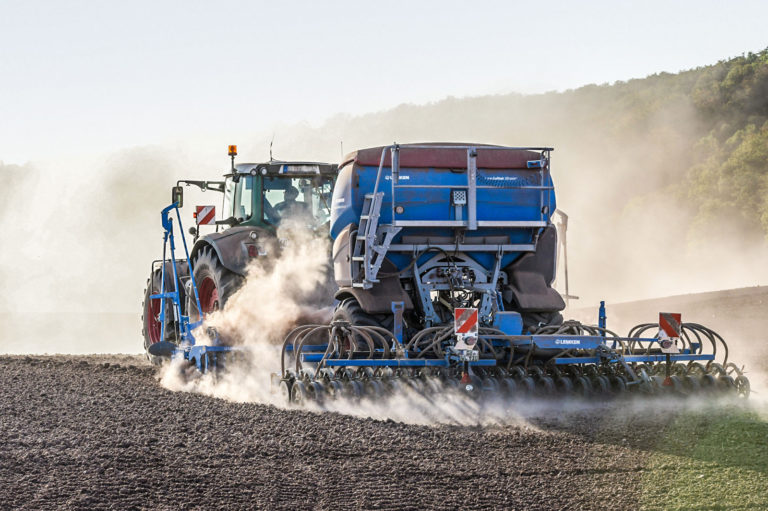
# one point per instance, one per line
(80, 75)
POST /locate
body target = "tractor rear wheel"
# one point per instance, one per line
(151, 328)
(350, 310)
(215, 284)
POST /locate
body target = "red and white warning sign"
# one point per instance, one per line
(205, 215)
(670, 326)
(465, 321)
(465, 328)
(670, 323)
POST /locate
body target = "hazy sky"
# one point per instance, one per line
(82, 75)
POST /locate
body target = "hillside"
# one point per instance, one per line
(664, 177)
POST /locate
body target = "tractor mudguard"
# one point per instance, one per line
(232, 246)
(379, 298)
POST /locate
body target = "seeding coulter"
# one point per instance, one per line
(444, 256)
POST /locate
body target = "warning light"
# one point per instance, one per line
(232, 150)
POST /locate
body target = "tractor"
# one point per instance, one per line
(256, 198)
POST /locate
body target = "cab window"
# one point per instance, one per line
(227, 206)
(244, 198)
(300, 198)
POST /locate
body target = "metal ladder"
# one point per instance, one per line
(365, 264)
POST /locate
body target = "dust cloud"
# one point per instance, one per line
(618, 165)
(631, 235)
(79, 235)
(274, 300)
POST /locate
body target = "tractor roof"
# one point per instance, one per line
(448, 155)
(288, 168)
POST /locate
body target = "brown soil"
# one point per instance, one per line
(100, 432)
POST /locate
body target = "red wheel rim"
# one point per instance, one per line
(151, 319)
(209, 296)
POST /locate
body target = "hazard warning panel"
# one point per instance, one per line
(465, 328)
(670, 325)
(465, 321)
(205, 215)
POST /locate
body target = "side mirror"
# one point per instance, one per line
(177, 195)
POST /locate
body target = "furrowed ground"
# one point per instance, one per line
(100, 431)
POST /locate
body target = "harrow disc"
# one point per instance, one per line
(299, 394)
(673, 386)
(726, 384)
(691, 384)
(527, 386)
(618, 384)
(285, 391)
(564, 385)
(335, 389)
(601, 385)
(353, 389)
(508, 386)
(707, 382)
(316, 391)
(742, 386)
(546, 386)
(393, 385)
(373, 388)
(489, 387)
(582, 387)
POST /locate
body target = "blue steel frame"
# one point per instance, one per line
(204, 356)
(600, 344)
(314, 353)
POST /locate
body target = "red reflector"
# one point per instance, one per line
(252, 252)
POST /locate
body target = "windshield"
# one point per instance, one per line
(307, 199)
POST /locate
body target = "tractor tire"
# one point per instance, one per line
(151, 327)
(349, 310)
(215, 284)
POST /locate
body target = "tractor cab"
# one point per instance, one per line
(266, 195)
(270, 194)
(257, 200)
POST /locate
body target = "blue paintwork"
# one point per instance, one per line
(408, 362)
(602, 319)
(202, 355)
(497, 204)
(511, 323)
(185, 327)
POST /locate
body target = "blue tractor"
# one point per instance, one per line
(444, 256)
